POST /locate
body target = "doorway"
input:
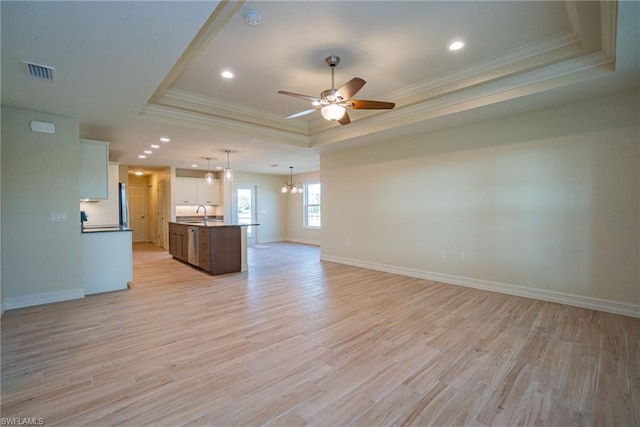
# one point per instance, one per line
(138, 213)
(246, 211)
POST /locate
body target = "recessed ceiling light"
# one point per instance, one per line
(165, 139)
(457, 45)
(218, 168)
(155, 146)
(227, 74)
(148, 152)
(142, 156)
(194, 166)
(139, 173)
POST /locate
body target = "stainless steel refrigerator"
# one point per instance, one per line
(122, 203)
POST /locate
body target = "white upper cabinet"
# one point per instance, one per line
(208, 194)
(94, 169)
(195, 191)
(186, 191)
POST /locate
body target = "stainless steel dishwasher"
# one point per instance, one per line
(192, 246)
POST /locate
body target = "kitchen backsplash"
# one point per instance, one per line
(190, 211)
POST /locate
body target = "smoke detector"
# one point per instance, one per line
(253, 18)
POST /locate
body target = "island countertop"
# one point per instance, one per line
(211, 223)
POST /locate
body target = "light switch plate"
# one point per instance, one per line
(58, 217)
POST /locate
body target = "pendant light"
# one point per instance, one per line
(208, 177)
(228, 172)
(293, 187)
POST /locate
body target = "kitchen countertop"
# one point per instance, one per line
(104, 228)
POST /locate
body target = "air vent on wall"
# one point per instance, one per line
(42, 72)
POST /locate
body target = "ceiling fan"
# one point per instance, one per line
(334, 102)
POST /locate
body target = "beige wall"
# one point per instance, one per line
(544, 204)
(272, 204)
(295, 211)
(39, 177)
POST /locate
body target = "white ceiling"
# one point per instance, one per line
(135, 71)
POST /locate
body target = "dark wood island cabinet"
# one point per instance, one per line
(215, 247)
(178, 241)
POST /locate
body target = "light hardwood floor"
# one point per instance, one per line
(300, 342)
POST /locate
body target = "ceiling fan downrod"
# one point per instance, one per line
(331, 96)
(332, 60)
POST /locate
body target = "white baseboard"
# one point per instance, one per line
(303, 241)
(43, 298)
(271, 240)
(625, 309)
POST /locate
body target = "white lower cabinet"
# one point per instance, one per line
(107, 261)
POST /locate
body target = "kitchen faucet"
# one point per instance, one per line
(205, 211)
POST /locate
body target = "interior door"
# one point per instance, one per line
(152, 230)
(161, 223)
(137, 197)
(246, 212)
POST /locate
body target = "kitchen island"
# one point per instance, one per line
(214, 246)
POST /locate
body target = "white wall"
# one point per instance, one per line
(40, 176)
(544, 204)
(295, 211)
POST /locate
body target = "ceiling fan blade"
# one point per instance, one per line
(369, 105)
(345, 120)
(301, 113)
(350, 88)
(298, 95)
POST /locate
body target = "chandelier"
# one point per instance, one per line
(293, 187)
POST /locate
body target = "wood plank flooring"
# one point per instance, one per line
(297, 342)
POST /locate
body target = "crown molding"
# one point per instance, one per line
(190, 101)
(585, 51)
(516, 60)
(176, 116)
(211, 28)
(553, 76)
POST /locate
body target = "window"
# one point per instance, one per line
(312, 205)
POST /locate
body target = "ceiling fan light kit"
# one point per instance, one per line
(334, 102)
(333, 112)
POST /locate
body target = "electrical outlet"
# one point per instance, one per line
(443, 254)
(461, 256)
(346, 243)
(58, 217)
